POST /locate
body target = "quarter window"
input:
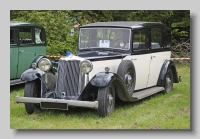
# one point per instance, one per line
(166, 38)
(39, 36)
(155, 38)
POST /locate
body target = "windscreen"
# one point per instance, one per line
(116, 38)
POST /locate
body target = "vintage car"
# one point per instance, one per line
(114, 60)
(27, 46)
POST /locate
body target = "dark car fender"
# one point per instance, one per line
(103, 79)
(166, 65)
(31, 74)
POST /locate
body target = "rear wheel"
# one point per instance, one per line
(169, 81)
(32, 89)
(106, 100)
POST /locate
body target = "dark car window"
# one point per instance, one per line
(155, 38)
(39, 36)
(139, 40)
(25, 35)
(166, 38)
(12, 36)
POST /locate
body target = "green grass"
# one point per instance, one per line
(168, 111)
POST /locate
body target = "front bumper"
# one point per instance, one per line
(76, 103)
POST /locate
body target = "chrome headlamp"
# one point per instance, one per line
(44, 64)
(86, 66)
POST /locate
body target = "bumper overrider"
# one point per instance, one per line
(62, 104)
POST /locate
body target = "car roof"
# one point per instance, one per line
(127, 24)
(19, 23)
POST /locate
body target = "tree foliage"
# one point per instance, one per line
(58, 23)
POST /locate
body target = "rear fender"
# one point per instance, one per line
(166, 65)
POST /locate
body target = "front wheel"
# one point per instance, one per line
(169, 81)
(106, 100)
(32, 89)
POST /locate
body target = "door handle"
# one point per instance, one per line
(134, 59)
(21, 50)
(153, 57)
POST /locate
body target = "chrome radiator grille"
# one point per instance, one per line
(70, 79)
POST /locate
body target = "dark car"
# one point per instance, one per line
(27, 45)
(115, 60)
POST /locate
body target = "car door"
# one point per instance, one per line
(140, 58)
(26, 49)
(158, 56)
(13, 54)
(141, 63)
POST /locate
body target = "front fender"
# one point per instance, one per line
(102, 79)
(31, 74)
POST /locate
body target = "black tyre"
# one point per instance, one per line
(32, 89)
(126, 71)
(169, 81)
(106, 100)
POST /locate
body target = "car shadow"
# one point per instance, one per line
(16, 87)
(119, 103)
(84, 112)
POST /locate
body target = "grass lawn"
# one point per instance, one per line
(168, 111)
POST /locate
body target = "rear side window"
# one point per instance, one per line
(39, 36)
(155, 38)
(25, 35)
(12, 36)
(139, 40)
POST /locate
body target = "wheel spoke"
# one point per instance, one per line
(169, 81)
(128, 79)
(109, 100)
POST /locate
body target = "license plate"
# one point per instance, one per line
(54, 105)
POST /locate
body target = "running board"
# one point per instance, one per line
(147, 92)
(16, 81)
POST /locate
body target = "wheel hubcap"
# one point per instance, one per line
(168, 83)
(109, 100)
(128, 79)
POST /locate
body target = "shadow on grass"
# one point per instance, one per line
(16, 87)
(85, 112)
(120, 103)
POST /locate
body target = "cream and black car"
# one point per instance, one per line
(114, 60)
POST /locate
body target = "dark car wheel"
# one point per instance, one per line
(106, 100)
(32, 89)
(126, 71)
(169, 81)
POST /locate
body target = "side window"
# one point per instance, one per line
(39, 36)
(139, 40)
(166, 38)
(155, 38)
(12, 36)
(25, 35)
